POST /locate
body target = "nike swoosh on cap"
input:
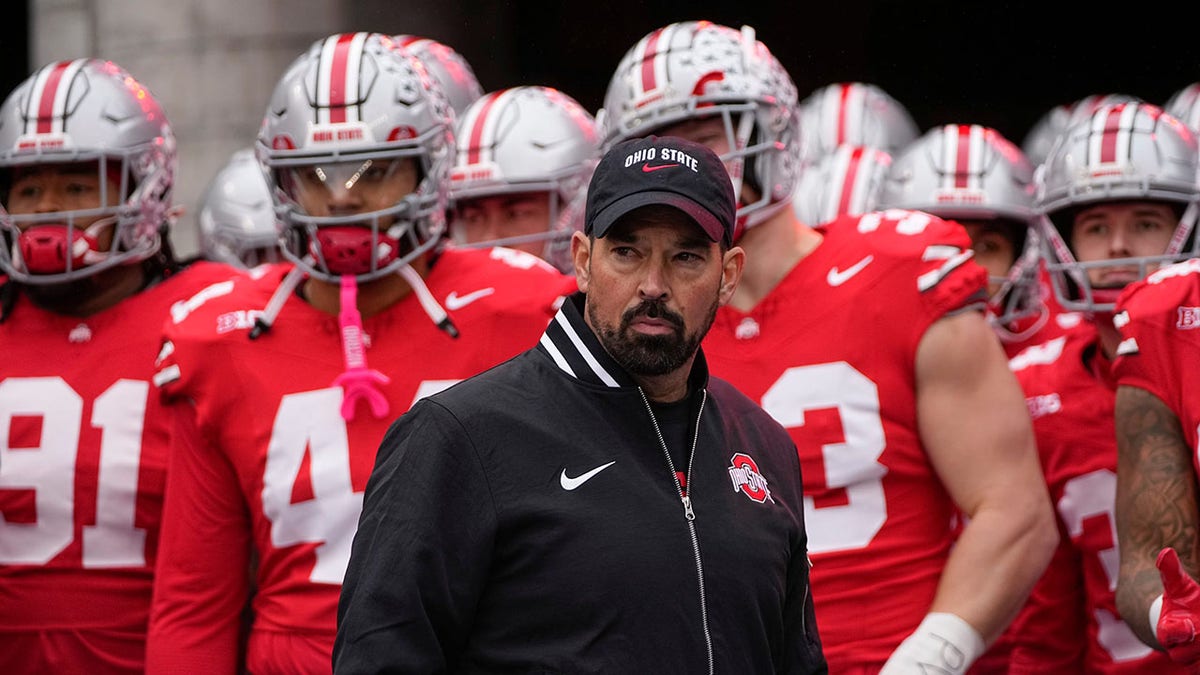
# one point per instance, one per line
(646, 168)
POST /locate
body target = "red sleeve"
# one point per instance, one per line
(201, 580)
(1049, 634)
(1155, 315)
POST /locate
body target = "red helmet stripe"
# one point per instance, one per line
(649, 55)
(339, 78)
(1112, 127)
(844, 92)
(48, 98)
(479, 125)
(849, 181)
(962, 159)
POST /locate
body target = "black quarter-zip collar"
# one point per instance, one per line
(576, 350)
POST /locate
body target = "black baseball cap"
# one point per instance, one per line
(662, 170)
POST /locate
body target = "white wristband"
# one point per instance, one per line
(1155, 612)
(943, 643)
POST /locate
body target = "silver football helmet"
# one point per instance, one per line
(853, 113)
(447, 67)
(698, 69)
(972, 172)
(521, 140)
(237, 217)
(1126, 151)
(348, 118)
(1184, 105)
(94, 114)
(1045, 131)
(845, 182)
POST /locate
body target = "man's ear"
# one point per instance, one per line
(732, 264)
(581, 255)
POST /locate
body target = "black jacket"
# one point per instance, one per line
(528, 520)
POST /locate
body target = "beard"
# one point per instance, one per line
(650, 355)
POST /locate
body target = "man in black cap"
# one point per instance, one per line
(598, 503)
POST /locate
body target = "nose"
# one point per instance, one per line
(653, 285)
(1118, 242)
(340, 201)
(48, 201)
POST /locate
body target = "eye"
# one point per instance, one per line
(375, 174)
(79, 188)
(1151, 225)
(26, 190)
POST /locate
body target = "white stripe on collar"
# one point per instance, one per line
(599, 370)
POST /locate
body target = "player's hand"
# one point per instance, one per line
(943, 643)
(1177, 625)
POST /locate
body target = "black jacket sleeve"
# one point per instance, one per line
(805, 655)
(421, 553)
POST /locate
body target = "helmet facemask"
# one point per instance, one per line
(54, 247)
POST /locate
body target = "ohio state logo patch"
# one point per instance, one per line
(743, 472)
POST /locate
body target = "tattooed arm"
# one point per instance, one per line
(1156, 502)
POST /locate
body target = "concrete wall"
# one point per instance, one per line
(211, 63)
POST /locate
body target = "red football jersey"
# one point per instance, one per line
(266, 461)
(83, 455)
(1071, 619)
(830, 353)
(1158, 318)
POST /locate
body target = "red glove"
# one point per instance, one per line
(1180, 618)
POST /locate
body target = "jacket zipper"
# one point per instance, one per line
(688, 513)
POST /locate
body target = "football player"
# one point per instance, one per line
(1157, 420)
(1045, 131)
(237, 216)
(866, 340)
(1184, 105)
(853, 113)
(974, 176)
(845, 182)
(1118, 197)
(282, 385)
(87, 165)
(448, 68)
(522, 163)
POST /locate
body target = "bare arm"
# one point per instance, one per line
(976, 431)
(1156, 502)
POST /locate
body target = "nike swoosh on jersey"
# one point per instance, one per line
(646, 168)
(455, 301)
(838, 277)
(569, 483)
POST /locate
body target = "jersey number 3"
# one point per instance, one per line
(852, 465)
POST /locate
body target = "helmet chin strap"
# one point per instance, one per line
(435, 311)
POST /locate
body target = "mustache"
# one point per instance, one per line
(654, 309)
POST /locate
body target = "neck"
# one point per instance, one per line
(373, 296)
(89, 295)
(775, 246)
(667, 388)
(1110, 337)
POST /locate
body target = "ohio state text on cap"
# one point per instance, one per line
(662, 170)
